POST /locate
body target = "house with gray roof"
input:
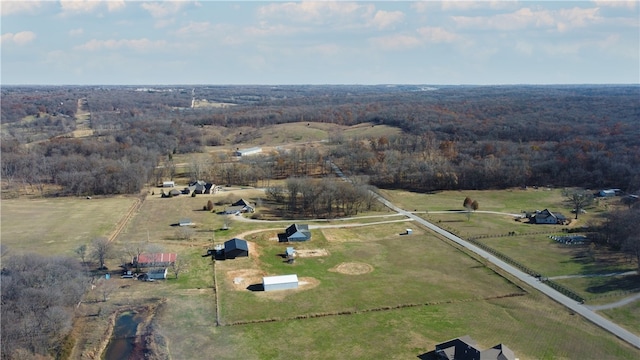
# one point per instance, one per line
(465, 348)
(296, 232)
(236, 248)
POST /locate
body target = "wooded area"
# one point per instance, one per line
(454, 137)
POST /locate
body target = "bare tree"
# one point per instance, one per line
(101, 249)
(105, 288)
(579, 200)
(82, 252)
(178, 266)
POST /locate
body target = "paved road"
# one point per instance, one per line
(576, 307)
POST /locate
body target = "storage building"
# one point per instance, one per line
(281, 282)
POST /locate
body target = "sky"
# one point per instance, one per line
(319, 42)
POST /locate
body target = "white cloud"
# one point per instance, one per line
(437, 35)
(132, 44)
(195, 28)
(562, 20)
(163, 9)
(396, 42)
(21, 38)
(74, 7)
(17, 7)
(629, 4)
(384, 19)
(76, 32)
(318, 12)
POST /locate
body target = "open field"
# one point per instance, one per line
(419, 291)
(59, 225)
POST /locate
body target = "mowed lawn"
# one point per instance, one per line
(59, 225)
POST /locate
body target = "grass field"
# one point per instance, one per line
(419, 291)
(59, 225)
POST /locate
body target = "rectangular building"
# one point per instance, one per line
(281, 282)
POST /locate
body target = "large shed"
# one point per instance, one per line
(297, 232)
(236, 248)
(280, 282)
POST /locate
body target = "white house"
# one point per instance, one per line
(281, 282)
(249, 151)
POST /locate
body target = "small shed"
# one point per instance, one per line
(186, 222)
(409, 231)
(290, 252)
(168, 184)
(236, 248)
(281, 282)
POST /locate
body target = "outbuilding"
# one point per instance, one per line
(236, 248)
(157, 274)
(168, 184)
(280, 282)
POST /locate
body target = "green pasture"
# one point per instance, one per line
(413, 269)
(532, 326)
(59, 225)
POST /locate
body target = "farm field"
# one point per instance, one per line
(59, 225)
(417, 289)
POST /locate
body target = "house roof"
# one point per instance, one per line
(157, 258)
(465, 348)
(294, 228)
(241, 202)
(236, 244)
(498, 352)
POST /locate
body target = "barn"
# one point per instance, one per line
(236, 248)
(297, 232)
(281, 282)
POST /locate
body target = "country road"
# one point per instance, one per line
(584, 310)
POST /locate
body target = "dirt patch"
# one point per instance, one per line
(241, 279)
(353, 268)
(302, 253)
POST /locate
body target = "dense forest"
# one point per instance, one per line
(453, 137)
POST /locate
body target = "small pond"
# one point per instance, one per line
(122, 343)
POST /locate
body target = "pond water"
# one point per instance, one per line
(123, 339)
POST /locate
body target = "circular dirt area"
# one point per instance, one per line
(353, 268)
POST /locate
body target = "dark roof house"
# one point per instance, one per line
(240, 206)
(236, 248)
(297, 232)
(201, 187)
(465, 348)
(547, 217)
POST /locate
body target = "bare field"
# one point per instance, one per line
(59, 225)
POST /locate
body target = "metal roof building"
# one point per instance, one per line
(281, 282)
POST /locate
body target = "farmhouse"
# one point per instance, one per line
(547, 217)
(153, 260)
(240, 206)
(201, 187)
(296, 232)
(282, 282)
(236, 248)
(465, 348)
(249, 151)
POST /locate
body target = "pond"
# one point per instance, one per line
(123, 340)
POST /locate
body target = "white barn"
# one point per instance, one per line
(281, 282)
(249, 151)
